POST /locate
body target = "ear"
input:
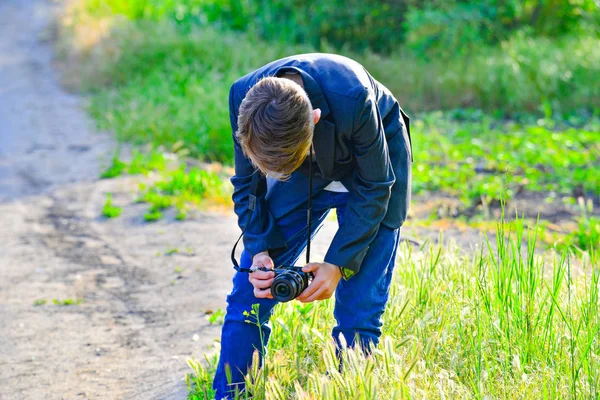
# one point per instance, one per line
(316, 115)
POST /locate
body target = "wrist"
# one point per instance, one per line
(262, 253)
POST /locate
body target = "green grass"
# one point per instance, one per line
(182, 187)
(140, 163)
(153, 83)
(116, 168)
(153, 215)
(110, 211)
(508, 323)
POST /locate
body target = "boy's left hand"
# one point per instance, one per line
(327, 277)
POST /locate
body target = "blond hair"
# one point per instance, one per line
(275, 126)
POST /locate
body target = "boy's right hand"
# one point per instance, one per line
(262, 280)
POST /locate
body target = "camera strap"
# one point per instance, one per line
(256, 180)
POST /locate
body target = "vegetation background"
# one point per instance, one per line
(506, 100)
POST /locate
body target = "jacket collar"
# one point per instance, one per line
(324, 135)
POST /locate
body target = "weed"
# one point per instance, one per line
(171, 251)
(152, 215)
(66, 302)
(180, 187)
(39, 302)
(217, 317)
(142, 163)
(110, 211)
(116, 168)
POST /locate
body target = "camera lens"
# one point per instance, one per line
(282, 291)
(288, 285)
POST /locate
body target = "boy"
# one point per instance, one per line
(361, 167)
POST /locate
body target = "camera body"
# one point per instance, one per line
(289, 282)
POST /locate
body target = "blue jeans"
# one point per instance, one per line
(359, 302)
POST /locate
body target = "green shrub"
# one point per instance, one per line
(443, 27)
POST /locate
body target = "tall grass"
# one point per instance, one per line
(504, 323)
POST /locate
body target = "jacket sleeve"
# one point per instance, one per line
(262, 233)
(372, 181)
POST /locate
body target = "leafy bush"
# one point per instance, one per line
(445, 27)
(356, 24)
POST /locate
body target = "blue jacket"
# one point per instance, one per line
(362, 140)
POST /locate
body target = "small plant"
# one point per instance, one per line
(110, 211)
(157, 200)
(587, 234)
(39, 302)
(216, 318)
(181, 214)
(153, 215)
(66, 302)
(145, 163)
(116, 168)
(171, 251)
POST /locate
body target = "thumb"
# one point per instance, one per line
(310, 267)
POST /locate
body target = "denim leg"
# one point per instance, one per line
(360, 301)
(240, 339)
(236, 354)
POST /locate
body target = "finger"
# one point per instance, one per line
(313, 287)
(317, 295)
(262, 275)
(262, 293)
(310, 267)
(265, 261)
(262, 284)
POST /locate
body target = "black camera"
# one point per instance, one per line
(289, 282)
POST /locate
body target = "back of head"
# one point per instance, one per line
(275, 126)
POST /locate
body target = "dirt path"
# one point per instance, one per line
(130, 336)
